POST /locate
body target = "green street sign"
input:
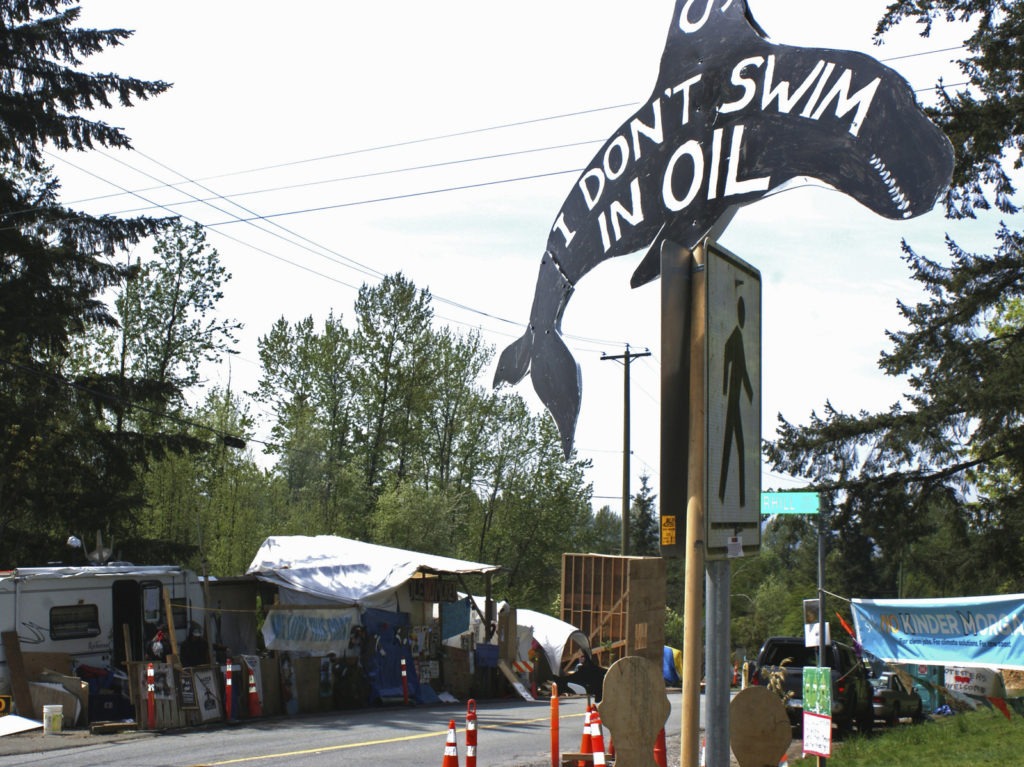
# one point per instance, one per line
(799, 502)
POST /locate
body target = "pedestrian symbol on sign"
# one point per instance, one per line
(735, 378)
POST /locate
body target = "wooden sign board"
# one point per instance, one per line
(187, 689)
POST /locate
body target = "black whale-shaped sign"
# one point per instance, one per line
(732, 118)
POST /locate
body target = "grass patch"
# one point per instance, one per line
(965, 740)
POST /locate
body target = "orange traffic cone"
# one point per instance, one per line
(255, 709)
(586, 746)
(660, 751)
(451, 749)
(597, 738)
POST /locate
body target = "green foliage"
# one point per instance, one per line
(924, 498)
(674, 628)
(644, 522)
(935, 478)
(982, 737)
(605, 532)
(982, 120)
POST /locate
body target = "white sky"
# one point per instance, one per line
(267, 98)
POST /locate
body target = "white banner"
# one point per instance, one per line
(317, 631)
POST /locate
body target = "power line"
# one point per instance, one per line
(352, 263)
(339, 179)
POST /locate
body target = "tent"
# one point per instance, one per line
(326, 569)
(552, 635)
(355, 584)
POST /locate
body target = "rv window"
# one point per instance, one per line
(179, 607)
(151, 602)
(74, 622)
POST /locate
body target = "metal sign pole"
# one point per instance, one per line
(822, 646)
(716, 696)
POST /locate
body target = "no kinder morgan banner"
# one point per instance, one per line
(969, 631)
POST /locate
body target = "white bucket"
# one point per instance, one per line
(53, 719)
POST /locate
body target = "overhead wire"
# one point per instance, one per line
(254, 217)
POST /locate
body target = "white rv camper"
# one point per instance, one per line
(91, 612)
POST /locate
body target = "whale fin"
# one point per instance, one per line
(557, 381)
(685, 234)
(650, 268)
(514, 362)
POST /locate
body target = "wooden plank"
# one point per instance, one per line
(112, 728)
(575, 756)
(38, 662)
(19, 679)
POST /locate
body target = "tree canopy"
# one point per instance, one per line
(61, 466)
(925, 496)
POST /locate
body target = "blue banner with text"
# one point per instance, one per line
(974, 631)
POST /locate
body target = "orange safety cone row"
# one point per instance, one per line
(451, 748)
(586, 746)
(597, 739)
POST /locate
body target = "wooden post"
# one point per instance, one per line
(694, 552)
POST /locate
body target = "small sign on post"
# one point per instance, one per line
(790, 502)
(813, 624)
(817, 702)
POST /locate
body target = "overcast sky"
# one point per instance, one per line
(334, 141)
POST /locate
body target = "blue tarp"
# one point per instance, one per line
(670, 667)
(385, 667)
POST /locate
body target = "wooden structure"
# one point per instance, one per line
(618, 602)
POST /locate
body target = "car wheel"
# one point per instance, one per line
(866, 721)
(894, 717)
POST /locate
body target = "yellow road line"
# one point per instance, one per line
(328, 749)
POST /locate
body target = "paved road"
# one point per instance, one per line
(510, 734)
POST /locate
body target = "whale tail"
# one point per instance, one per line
(554, 373)
(514, 362)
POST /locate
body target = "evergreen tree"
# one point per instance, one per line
(937, 477)
(983, 120)
(61, 466)
(644, 522)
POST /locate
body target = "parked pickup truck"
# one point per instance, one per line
(785, 657)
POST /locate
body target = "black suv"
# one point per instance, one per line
(851, 691)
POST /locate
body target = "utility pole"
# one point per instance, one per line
(626, 359)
